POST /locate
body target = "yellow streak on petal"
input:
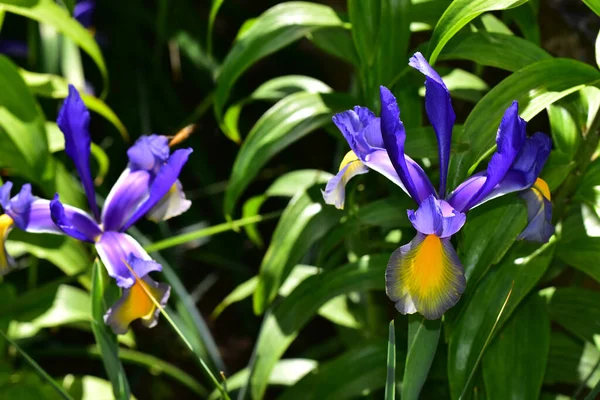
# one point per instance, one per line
(348, 158)
(137, 304)
(6, 224)
(542, 187)
(425, 271)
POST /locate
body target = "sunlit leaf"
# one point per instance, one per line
(423, 336)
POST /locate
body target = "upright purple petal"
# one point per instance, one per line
(164, 181)
(440, 112)
(83, 12)
(115, 250)
(129, 192)
(74, 120)
(74, 222)
(394, 136)
(436, 217)
(149, 153)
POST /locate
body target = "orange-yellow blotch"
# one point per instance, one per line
(6, 262)
(542, 187)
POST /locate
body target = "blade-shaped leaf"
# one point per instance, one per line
(423, 337)
(457, 15)
(364, 17)
(304, 221)
(514, 363)
(281, 326)
(105, 339)
(578, 311)
(275, 28)
(287, 121)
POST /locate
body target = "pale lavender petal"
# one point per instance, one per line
(335, 191)
(174, 203)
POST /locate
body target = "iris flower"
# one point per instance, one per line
(426, 275)
(149, 187)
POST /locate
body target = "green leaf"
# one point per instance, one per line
(59, 390)
(394, 35)
(275, 28)
(364, 17)
(57, 87)
(22, 131)
(580, 241)
(571, 361)
(214, 10)
(105, 339)
(337, 42)
(493, 301)
(491, 24)
(350, 375)
(89, 387)
(424, 14)
(594, 5)
(457, 15)
(48, 12)
(534, 87)
(304, 221)
(281, 326)
(286, 185)
(566, 135)
(526, 19)
(597, 51)
(515, 362)
(497, 50)
(423, 337)
(274, 89)
(287, 121)
(578, 311)
(463, 85)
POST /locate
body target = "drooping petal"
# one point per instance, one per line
(438, 105)
(335, 191)
(74, 222)
(135, 303)
(7, 263)
(149, 153)
(394, 136)
(115, 249)
(161, 184)
(425, 276)
(129, 192)
(539, 213)
(509, 140)
(174, 203)
(74, 120)
(436, 217)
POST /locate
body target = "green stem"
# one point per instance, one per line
(583, 158)
(211, 230)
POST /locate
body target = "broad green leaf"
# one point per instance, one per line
(275, 28)
(571, 361)
(281, 326)
(67, 305)
(44, 375)
(463, 85)
(274, 89)
(497, 50)
(89, 387)
(105, 338)
(214, 10)
(424, 14)
(390, 383)
(394, 35)
(578, 311)
(457, 15)
(337, 42)
(423, 337)
(526, 19)
(355, 372)
(580, 243)
(492, 24)
(385, 213)
(305, 220)
(48, 12)
(287, 121)
(22, 132)
(534, 87)
(286, 373)
(365, 19)
(57, 87)
(598, 50)
(285, 186)
(514, 363)
(594, 5)
(589, 187)
(565, 132)
(493, 301)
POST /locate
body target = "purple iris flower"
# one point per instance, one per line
(84, 12)
(426, 275)
(149, 187)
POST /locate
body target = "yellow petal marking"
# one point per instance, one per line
(6, 224)
(348, 158)
(137, 304)
(542, 187)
